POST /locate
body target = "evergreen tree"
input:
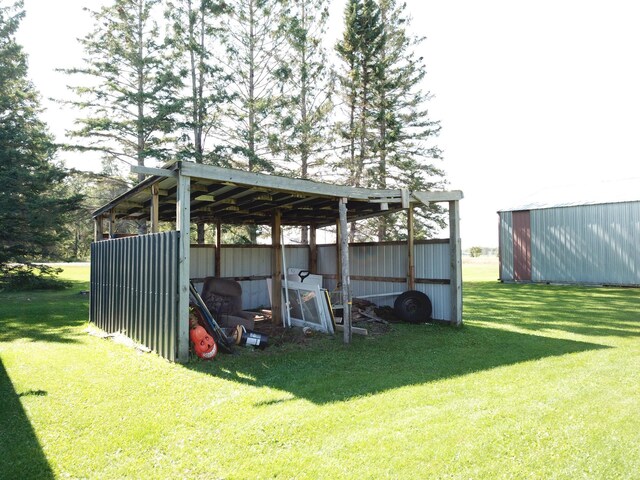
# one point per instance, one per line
(404, 147)
(252, 43)
(33, 205)
(194, 37)
(128, 92)
(196, 31)
(304, 138)
(359, 50)
(388, 130)
(304, 117)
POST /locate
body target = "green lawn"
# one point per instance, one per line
(541, 382)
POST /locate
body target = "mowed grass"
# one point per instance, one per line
(541, 382)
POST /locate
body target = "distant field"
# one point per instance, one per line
(481, 268)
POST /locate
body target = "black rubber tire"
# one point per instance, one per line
(413, 307)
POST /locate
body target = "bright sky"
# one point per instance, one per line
(530, 94)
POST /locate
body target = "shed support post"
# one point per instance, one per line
(218, 253)
(344, 260)
(183, 225)
(313, 250)
(98, 232)
(112, 224)
(276, 282)
(338, 253)
(455, 255)
(155, 205)
(411, 267)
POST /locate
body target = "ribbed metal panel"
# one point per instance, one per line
(505, 231)
(587, 244)
(432, 261)
(134, 285)
(390, 260)
(202, 261)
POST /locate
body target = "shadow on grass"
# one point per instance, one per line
(43, 316)
(410, 355)
(21, 455)
(328, 371)
(589, 311)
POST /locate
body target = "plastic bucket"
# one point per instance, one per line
(250, 338)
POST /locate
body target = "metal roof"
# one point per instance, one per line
(615, 191)
(239, 197)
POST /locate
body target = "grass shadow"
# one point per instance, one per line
(582, 310)
(409, 355)
(43, 316)
(21, 455)
(327, 371)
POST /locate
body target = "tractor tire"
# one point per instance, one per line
(413, 307)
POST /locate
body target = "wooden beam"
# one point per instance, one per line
(218, 264)
(455, 253)
(276, 290)
(112, 224)
(183, 225)
(313, 249)
(443, 196)
(346, 281)
(272, 182)
(98, 232)
(155, 208)
(411, 267)
(155, 172)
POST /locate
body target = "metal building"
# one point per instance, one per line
(579, 235)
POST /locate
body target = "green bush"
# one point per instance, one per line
(27, 276)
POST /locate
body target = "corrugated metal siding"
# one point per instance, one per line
(587, 244)
(134, 286)
(506, 246)
(390, 260)
(202, 261)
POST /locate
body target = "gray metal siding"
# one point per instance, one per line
(506, 246)
(587, 244)
(134, 285)
(202, 261)
(390, 260)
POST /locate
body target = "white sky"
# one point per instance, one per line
(530, 94)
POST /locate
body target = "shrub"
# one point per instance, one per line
(27, 276)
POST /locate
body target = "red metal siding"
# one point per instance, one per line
(522, 245)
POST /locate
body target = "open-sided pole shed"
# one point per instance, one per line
(186, 193)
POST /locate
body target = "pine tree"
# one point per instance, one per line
(33, 205)
(359, 50)
(195, 36)
(195, 33)
(128, 92)
(252, 42)
(404, 147)
(304, 117)
(305, 138)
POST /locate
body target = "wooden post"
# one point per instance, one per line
(183, 225)
(411, 267)
(313, 250)
(218, 254)
(346, 282)
(112, 224)
(155, 205)
(98, 232)
(276, 281)
(455, 254)
(338, 253)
